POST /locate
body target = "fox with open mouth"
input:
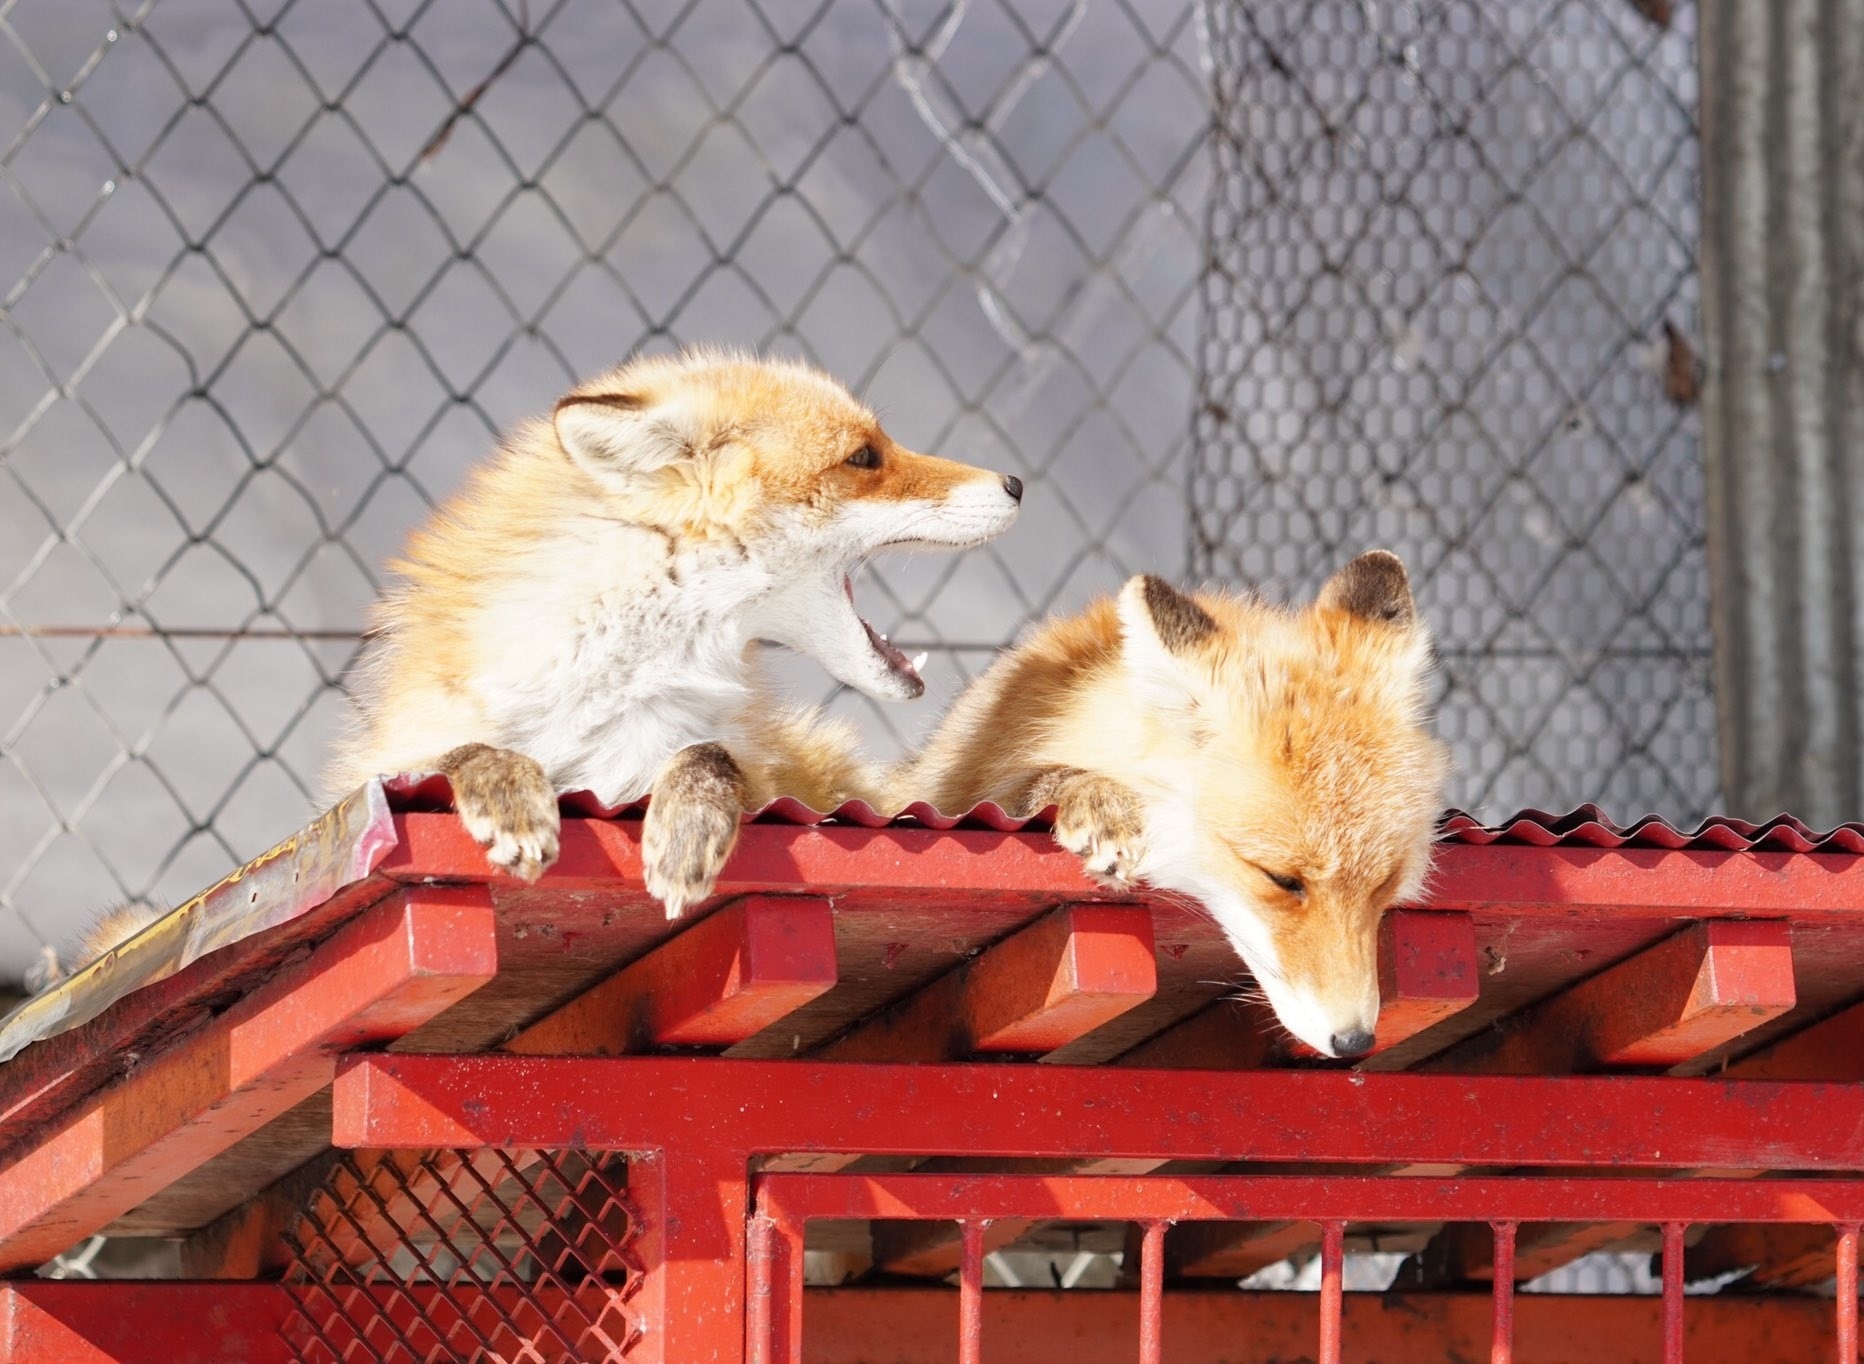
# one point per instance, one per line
(586, 613)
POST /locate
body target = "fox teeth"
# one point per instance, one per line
(919, 661)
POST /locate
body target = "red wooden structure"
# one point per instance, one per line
(391, 1107)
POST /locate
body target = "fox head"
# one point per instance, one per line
(1293, 785)
(783, 465)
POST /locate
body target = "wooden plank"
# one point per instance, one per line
(399, 964)
(183, 1323)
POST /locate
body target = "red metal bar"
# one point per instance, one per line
(1501, 1350)
(1672, 1293)
(648, 1103)
(760, 1293)
(1152, 1293)
(1313, 1198)
(1847, 1292)
(971, 1294)
(398, 965)
(1332, 1274)
(1493, 880)
(145, 1322)
(692, 1204)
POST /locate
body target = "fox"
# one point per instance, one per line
(1275, 764)
(588, 612)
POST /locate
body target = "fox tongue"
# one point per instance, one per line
(895, 658)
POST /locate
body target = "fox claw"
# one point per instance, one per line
(691, 826)
(1100, 821)
(507, 805)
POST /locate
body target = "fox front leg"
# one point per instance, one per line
(508, 806)
(692, 825)
(1096, 818)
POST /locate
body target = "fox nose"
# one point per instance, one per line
(1013, 486)
(1355, 1043)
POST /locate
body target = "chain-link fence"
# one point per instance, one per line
(274, 274)
(1451, 293)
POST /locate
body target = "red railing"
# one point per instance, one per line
(786, 1204)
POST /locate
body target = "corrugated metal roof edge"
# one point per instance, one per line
(1584, 827)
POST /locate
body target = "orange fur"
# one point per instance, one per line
(1266, 746)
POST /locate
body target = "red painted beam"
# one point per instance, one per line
(649, 1103)
(1689, 994)
(1498, 879)
(1040, 988)
(728, 977)
(1060, 978)
(795, 1199)
(75, 1322)
(395, 967)
(1428, 970)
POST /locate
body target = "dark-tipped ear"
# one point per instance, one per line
(1374, 587)
(616, 436)
(1161, 631)
(1177, 622)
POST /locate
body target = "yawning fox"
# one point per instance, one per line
(1274, 764)
(587, 612)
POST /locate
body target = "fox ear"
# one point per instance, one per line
(1161, 630)
(621, 436)
(1374, 587)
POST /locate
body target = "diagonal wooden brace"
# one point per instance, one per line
(392, 969)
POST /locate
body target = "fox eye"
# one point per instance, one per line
(867, 457)
(1291, 884)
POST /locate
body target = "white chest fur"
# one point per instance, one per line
(624, 659)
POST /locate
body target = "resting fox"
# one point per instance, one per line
(1274, 764)
(586, 614)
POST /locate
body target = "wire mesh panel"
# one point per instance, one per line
(1451, 285)
(274, 273)
(467, 1256)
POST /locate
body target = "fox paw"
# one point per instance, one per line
(691, 826)
(1102, 822)
(508, 806)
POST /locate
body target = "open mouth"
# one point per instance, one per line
(907, 669)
